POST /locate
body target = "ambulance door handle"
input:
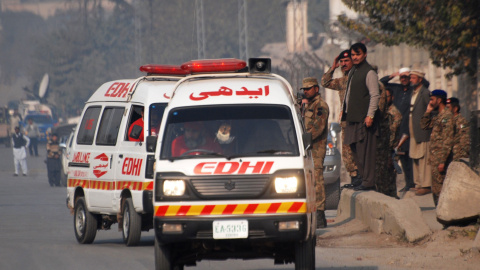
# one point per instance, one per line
(120, 156)
(111, 159)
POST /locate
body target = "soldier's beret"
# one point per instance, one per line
(344, 54)
(438, 93)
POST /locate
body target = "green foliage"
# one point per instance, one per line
(448, 29)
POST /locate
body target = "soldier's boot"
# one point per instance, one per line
(321, 219)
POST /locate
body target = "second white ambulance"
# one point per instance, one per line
(110, 173)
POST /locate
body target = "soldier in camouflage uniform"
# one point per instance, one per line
(383, 164)
(441, 139)
(387, 176)
(461, 131)
(344, 61)
(316, 122)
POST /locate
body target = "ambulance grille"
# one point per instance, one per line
(234, 187)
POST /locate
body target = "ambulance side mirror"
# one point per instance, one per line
(307, 140)
(151, 144)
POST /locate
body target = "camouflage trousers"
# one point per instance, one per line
(318, 152)
(386, 178)
(347, 155)
(319, 189)
(437, 182)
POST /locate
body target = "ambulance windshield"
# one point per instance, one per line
(229, 131)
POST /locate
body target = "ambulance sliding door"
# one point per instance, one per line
(104, 159)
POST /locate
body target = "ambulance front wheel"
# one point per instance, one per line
(84, 223)
(305, 254)
(163, 257)
(132, 224)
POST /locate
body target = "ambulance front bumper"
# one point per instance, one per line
(262, 228)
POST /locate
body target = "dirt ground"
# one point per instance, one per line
(450, 248)
(353, 243)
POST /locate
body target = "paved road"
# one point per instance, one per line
(36, 230)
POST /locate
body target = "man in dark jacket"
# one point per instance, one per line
(419, 138)
(359, 107)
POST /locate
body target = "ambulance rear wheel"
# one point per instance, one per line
(84, 223)
(132, 224)
(305, 254)
(163, 258)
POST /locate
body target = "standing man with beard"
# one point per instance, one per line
(316, 122)
(343, 60)
(441, 139)
(359, 107)
(419, 138)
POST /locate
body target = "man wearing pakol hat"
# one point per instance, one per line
(402, 93)
(441, 139)
(461, 130)
(358, 110)
(419, 138)
(316, 122)
(340, 84)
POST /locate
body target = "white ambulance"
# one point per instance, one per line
(234, 175)
(110, 173)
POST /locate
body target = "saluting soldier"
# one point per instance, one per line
(344, 61)
(441, 138)
(316, 122)
(461, 130)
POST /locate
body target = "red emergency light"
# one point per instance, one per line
(214, 65)
(163, 70)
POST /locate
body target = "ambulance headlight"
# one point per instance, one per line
(286, 184)
(173, 187)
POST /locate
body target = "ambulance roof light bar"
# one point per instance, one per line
(214, 65)
(163, 70)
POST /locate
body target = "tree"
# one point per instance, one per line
(448, 29)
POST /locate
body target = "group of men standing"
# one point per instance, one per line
(383, 122)
(21, 142)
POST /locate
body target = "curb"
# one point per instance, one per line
(383, 214)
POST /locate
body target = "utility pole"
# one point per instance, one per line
(242, 30)
(200, 29)
(138, 33)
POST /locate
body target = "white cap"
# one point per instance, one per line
(404, 70)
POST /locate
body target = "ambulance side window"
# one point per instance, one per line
(87, 128)
(109, 126)
(156, 115)
(136, 119)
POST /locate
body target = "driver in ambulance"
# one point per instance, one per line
(194, 138)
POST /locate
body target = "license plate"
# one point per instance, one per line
(230, 229)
